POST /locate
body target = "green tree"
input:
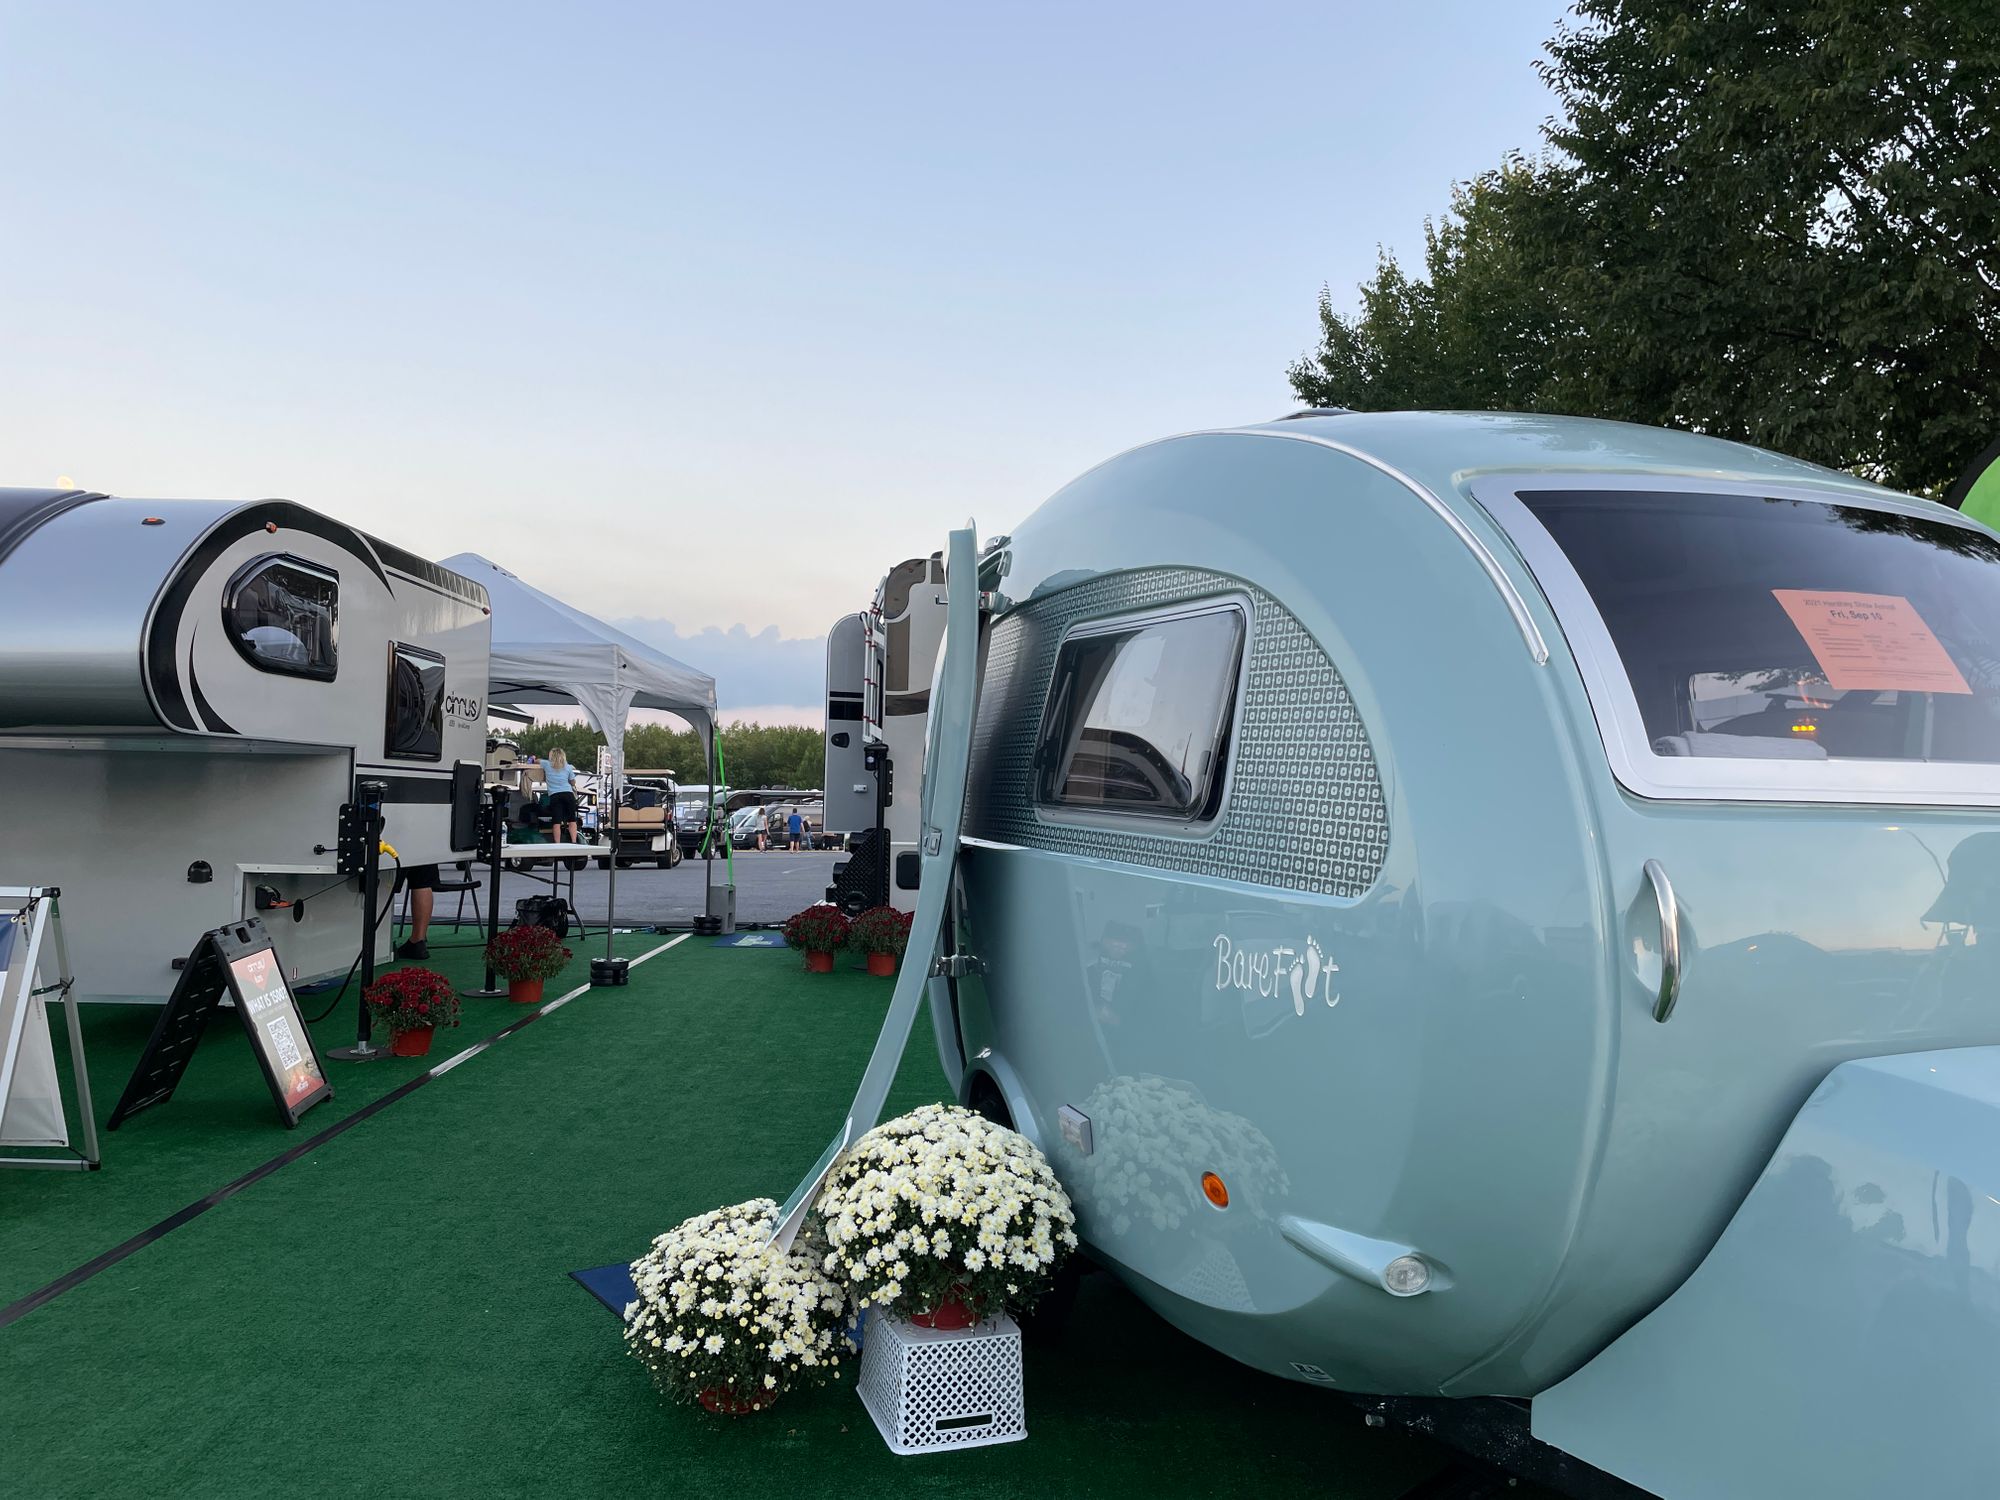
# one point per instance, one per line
(1773, 220)
(1482, 327)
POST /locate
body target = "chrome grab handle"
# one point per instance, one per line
(1670, 940)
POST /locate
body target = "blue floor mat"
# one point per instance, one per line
(611, 1285)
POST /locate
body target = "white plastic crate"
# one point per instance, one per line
(931, 1390)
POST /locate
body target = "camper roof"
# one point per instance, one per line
(22, 511)
(1445, 450)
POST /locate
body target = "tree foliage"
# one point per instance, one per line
(775, 755)
(1772, 220)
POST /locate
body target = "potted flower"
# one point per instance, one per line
(882, 933)
(412, 1003)
(526, 957)
(821, 931)
(945, 1217)
(726, 1318)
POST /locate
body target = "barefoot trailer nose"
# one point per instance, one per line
(1505, 853)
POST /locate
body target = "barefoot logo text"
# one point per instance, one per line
(1303, 974)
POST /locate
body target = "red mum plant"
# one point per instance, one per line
(821, 931)
(412, 1000)
(881, 930)
(527, 953)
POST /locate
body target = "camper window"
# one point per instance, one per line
(1137, 720)
(1766, 628)
(416, 704)
(283, 614)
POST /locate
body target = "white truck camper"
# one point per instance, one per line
(190, 693)
(878, 690)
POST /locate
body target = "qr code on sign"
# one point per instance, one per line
(282, 1039)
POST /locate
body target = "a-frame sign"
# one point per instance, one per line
(236, 960)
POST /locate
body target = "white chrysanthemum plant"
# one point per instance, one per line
(726, 1318)
(943, 1217)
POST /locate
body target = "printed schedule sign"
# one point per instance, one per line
(1871, 642)
(276, 1029)
(236, 960)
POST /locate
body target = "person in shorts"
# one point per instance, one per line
(421, 882)
(562, 797)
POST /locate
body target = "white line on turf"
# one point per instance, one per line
(556, 1004)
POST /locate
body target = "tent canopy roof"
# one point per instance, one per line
(545, 651)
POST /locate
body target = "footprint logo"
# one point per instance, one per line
(1330, 992)
(1311, 967)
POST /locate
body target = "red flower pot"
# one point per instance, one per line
(525, 991)
(950, 1312)
(882, 965)
(413, 1042)
(818, 963)
(725, 1402)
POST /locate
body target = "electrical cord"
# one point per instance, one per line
(387, 907)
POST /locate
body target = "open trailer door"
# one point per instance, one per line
(947, 751)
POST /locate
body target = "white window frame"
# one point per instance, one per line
(1702, 778)
(1155, 825)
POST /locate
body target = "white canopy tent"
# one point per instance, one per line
(545, 651)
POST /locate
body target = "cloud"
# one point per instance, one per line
(765, 668)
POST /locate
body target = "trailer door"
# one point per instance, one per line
(947, 751)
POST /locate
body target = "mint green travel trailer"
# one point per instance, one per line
(1487, 914)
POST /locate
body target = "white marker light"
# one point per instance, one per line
(1405, 1276)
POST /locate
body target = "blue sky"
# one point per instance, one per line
(700, 315)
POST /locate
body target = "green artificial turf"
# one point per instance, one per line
(220, 1122)
(392, 1315)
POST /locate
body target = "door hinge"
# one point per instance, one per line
(957, 965)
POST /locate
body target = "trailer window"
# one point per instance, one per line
(1138, 716)
(283, 614)
(1789, 629)
(416, 704)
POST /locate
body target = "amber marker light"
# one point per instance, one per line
(1214, 1190)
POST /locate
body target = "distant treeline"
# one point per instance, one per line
(754, 754)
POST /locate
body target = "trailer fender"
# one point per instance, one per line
(1843, 1336)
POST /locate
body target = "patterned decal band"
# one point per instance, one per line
(1305, 809)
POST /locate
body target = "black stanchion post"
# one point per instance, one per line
(496, 851)
(366, 815)
(610, 969)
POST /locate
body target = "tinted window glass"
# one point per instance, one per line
(1138, 717)
(1790, 629)
(416, 704)
(284, 616)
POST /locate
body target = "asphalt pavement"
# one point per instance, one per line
(769, 887)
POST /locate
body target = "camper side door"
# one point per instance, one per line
(850, 785)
